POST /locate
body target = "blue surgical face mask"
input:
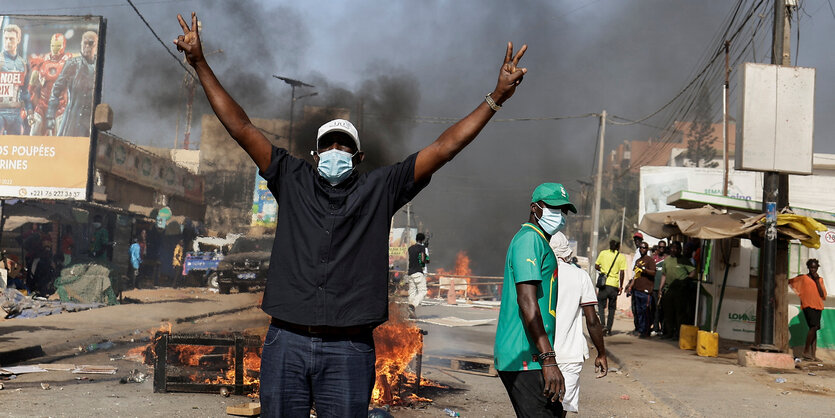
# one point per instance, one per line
(552, 221)
(335, 165)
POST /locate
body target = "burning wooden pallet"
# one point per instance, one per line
(164, 382)
(473, 365)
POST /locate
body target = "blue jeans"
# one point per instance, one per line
(337, 373)
(641, 301)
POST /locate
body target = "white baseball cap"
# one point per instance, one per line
(339, 125)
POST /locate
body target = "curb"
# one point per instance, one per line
(70, 348)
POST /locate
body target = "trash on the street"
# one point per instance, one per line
(99, 346)
(780, 380)
(1, 386)
(812, 374)
(730, 372)
(135, 376)
(21, 370)
(624, 397)
(224, 392)
(45, 386)
(651, 401)
(92, 369)
(251, 409)
(451, 412)
(785, 392)
(61, 367)
(380, 413)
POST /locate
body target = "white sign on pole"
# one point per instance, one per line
(776, 128)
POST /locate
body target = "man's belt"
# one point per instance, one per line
(11, 105)
(321, 330)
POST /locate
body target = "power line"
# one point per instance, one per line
(450, 121)
(164, 45)
(91, 6)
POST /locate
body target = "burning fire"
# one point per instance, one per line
(462, 270)
(194, 355)
(396, 343)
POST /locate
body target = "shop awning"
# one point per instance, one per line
(708, 222)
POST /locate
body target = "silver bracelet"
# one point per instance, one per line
(491, 103)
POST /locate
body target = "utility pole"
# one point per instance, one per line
(293, 84)
(622, 222)
(598, 185)
(409, 223)
(773, 293)
(725, 136)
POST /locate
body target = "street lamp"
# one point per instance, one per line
(293, 84)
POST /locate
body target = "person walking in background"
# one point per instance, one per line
(177, 263)
(640, 287)
(100, 240)
(418, 259)
(135, 260)
(658, 255)
(613, 263)
(575, 299)
(523, 351)
(812, 292)
(67, 246)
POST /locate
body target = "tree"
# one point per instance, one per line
(700, 149)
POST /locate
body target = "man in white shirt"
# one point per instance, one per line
(575, 298)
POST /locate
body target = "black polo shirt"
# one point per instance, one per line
(329, 264)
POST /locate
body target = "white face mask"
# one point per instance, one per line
(335, 165)
(552, 221)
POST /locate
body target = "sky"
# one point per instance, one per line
(415, 65)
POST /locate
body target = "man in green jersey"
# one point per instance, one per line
(524, 356)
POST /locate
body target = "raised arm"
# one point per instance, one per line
(231, 115)
(459, 135)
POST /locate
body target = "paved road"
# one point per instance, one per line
(657, 377)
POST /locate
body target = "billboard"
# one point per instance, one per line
(658, 183)
(50, 84)
(264, 206)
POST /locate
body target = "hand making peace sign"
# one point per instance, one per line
(189, 41)
(510, 74)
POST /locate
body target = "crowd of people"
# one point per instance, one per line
(662, 288)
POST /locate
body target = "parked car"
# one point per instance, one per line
(246, 264)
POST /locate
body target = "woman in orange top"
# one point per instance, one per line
(812, 293)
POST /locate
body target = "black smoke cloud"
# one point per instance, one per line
(436, 58)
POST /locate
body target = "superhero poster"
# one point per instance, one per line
(50, 71)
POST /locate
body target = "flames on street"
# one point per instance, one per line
(461, 270)
(397, 343)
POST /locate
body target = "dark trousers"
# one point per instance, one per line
(337, 373)
(641, 301)
(634, 311)
(679, 305)
(525, 391)
(655, 312)
(178, 276)
(607, 295)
